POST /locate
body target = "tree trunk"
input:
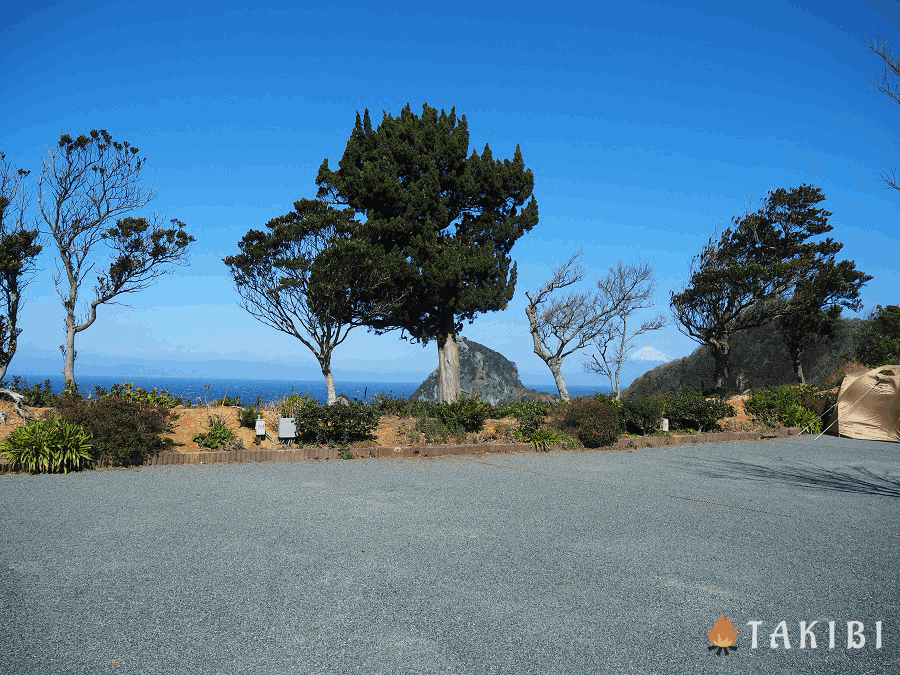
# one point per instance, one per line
(69, 366)
(325, 363)
(448, 363)
(798, 367)
(556, 368)
(721, 352)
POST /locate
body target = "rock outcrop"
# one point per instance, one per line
(483, 371)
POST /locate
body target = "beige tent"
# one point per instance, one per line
(869, 405)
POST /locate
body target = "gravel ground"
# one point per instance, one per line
(581, 562)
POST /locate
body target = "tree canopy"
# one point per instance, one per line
(440, 220)
(747, 277)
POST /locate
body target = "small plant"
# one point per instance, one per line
(542, 439)
(218, 434)
(34, 397)
(127, 391)
(437, 431)
(467, 413)
(48, 446)
(248, 417)
(797, 416)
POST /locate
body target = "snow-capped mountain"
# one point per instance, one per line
(650, 354)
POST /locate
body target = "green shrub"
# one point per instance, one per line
(642, 414)
(689, 410)
(127, 391)
(34, 397)
(542, 439)
(468, 413)
(344, 424)
(125, 432)
(770, 405)
(218, 435)
(598, 422)
(48, 446)
(248, 417)
(797, 416)
(530, 416)
(437, 431)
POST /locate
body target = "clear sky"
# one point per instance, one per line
(647, 126)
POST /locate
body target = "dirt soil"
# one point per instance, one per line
(391, 431)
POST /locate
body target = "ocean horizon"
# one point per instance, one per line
(251, 390)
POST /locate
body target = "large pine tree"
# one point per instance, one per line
(441, 221)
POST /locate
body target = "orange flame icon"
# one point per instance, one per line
(722, 635)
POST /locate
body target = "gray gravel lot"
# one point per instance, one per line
(580, 562)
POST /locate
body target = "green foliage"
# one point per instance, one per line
(48, 446)
(437, 431)
(542, 439)
(689, 410)
(467, 413)
(125, 432)
(530, 416)
(880, 343)
(440, 221)
(598, 422)
(127, 391)
(248, 417)
(642, 415)
(767, 256)
(772, 405)
(795, 415)
(32, 396)
(290, 405)
(337, 423)
(218, 435)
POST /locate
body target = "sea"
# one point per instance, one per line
(257, 392)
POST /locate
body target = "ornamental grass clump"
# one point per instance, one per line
(48, 446)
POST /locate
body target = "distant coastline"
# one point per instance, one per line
(251, 389)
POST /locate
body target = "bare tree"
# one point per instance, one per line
(891, 72)
(304, 276)
(85, 183)
(579, 317)
(18, 250)
(630, 288)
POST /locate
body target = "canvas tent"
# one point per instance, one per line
(868, 405)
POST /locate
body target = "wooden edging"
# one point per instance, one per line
(289, 454)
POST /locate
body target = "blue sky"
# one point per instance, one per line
(647, 126)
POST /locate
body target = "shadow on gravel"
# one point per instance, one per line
(853, 479)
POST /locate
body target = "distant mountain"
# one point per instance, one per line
(650, 354)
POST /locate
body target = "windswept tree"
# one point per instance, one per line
(816, 305)
(745, 279)
(18, 249)
(628, 288)
(576, 318)
(890, 80)
(441, 221)
(285, 282)
(880, 339)
(85, 183)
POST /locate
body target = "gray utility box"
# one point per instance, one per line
(286, 428)
(260, 426)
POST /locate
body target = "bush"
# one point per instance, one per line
(467, 413)
(770, 405)
(836, 379)
(218, 435)
(598, 422)
(437, 431)
(248, 417)
(125, 432)
(127, 391)
(642, 414)
(34, 397)
(344, 424)
(48, 446)
(795, 415)
(529, 415)
(690, 410)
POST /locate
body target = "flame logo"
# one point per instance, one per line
(722, 635)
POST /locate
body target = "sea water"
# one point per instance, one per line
(203, 390)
